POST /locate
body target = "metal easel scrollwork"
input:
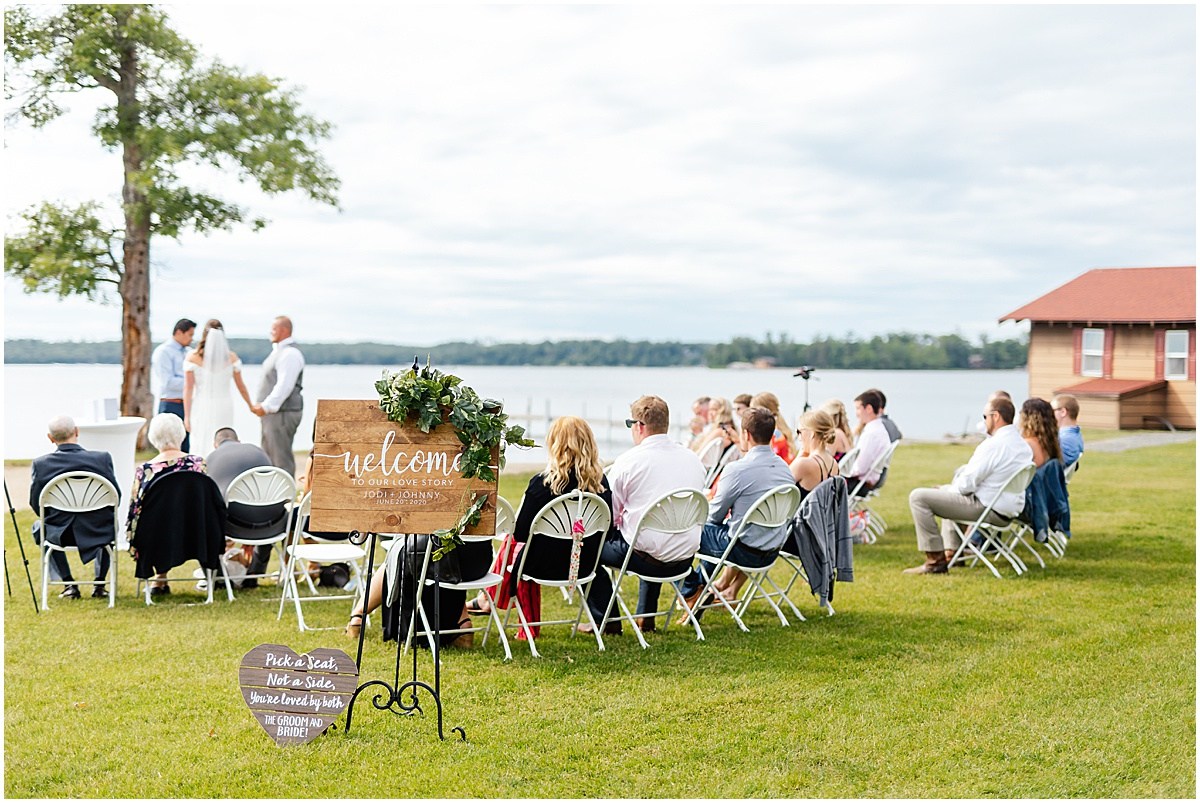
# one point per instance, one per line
(402, 698)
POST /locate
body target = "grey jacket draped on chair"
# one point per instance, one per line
(819, 534)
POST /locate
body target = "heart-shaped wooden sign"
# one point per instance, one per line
(296, 697)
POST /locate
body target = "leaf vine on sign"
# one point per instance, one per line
(431, 398)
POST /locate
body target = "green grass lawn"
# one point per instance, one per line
(1076, 681)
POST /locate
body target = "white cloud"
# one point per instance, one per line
(675, 173)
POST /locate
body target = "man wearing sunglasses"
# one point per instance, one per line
(974, 486)
(655, 466)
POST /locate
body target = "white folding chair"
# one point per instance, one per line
(556, 520)
(324, 553)
(710, 458)
(78, 492)
(993, 534)
(674, 512)
(875, 522)
(484, 583)
(773, 509)
(793, 561)
(262, 487)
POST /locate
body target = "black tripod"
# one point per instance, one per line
(13, 515)
(806, 372)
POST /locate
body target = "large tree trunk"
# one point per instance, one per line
(136, 398)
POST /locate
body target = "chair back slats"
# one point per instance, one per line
(557, 518)
(79, 492)
(846, 464)
(774, 508)
(506, 519)
(262, 486)
(712, 453)
(676, 512)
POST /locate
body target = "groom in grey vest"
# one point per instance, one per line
(279, 402)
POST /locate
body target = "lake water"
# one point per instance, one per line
(927, 405)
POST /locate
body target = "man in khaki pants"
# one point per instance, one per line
(974, 486)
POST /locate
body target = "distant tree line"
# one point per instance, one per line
(896, 351)
(892, 351)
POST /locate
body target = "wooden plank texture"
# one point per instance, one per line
(295, 698)
(375, 475)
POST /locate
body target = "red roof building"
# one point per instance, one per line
(1121, 340)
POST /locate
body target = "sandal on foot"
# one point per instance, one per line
(475, 609)
(354, 628)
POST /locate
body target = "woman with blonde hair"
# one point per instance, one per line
(816, 462)
(1040, 430)
(573, 462)
(843, 436)
(783, 442)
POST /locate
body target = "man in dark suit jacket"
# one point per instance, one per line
(230, 458)
(90, 531)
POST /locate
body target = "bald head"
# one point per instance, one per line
(281, 328)
(62, 430)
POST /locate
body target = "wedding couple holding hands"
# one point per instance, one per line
(197, 386)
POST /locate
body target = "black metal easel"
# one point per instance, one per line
(390, 696)
(17, 530)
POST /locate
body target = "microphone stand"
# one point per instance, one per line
(13, 515)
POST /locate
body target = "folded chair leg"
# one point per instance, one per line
(525, 627)
(691, 617)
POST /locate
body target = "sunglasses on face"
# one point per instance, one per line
(629, 422)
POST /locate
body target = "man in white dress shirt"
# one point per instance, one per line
(873, 441)
(974, 486)
(638, 478)
(279, 402)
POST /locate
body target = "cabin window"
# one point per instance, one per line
(1091, 361)
(1175, 356)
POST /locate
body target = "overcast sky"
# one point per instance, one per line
(671, 173)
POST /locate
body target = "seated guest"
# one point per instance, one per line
(90, 531)
(893, 431)
(758, 472)
(1066, 413)
(843, 438)
(640, 477)
(816, 462)
(741, 403)
(166, 433)
(573, 462)
(696, 428)
(699, 411)
(720, 417)
(1040, 430)
(783, 443)
(981, 426)
(873, 441)
(974, 487)
(227, 460)
(472, 558)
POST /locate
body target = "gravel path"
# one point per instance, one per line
(1138, 441)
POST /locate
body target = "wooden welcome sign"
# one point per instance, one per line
(375, 475)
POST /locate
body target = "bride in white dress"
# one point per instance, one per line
(207, 400)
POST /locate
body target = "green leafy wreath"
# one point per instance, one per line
(433, 398)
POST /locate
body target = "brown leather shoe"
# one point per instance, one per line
(935, 563)
(646, 624)
(930, 567)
